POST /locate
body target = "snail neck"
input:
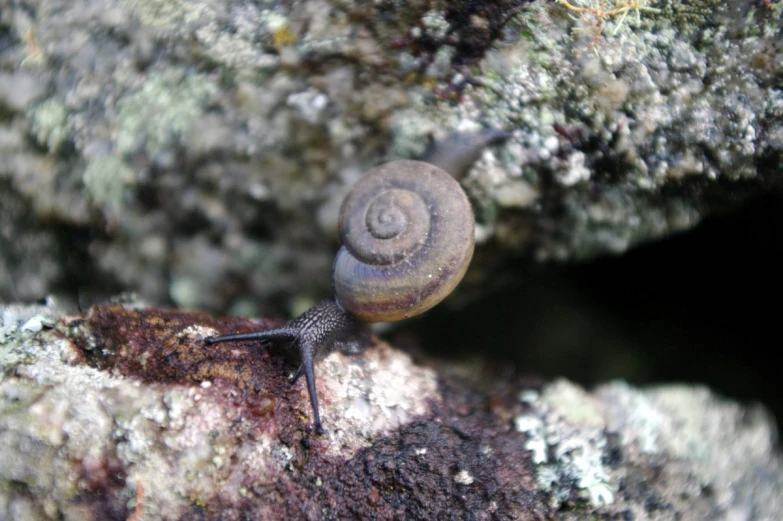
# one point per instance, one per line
(328, 327)
(319, 331)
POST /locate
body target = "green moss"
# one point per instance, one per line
(240, 50)
(161, 112)
(107, 179)
(596, 13)
(47, 124)
(165, 13)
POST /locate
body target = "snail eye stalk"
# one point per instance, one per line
(322, 329)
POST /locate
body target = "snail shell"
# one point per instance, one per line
(407, 234)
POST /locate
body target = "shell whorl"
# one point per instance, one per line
(407, 234)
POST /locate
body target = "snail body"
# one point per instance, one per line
(407, 239)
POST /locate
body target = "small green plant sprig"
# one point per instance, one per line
(595, 12)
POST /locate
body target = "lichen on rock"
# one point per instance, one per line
(122, 412)
(241, 122)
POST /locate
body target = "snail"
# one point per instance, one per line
(406, 229)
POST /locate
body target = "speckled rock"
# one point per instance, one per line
(197, 151)
(123, 413)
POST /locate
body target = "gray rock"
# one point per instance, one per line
(156, 129)
(124, 414)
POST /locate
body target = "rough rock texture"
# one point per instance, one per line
(123, 414)
(197, 152)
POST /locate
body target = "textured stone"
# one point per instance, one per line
(238, 127)
(123, 413)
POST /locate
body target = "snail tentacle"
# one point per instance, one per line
(457, 153)
(268, 335)
(307, 352)
(322, 329)
(294, 377)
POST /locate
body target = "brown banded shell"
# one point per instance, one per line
(407, 234)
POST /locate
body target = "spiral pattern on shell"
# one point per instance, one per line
(407, 234)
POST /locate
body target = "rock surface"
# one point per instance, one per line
(123, 414)
(197, 152)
